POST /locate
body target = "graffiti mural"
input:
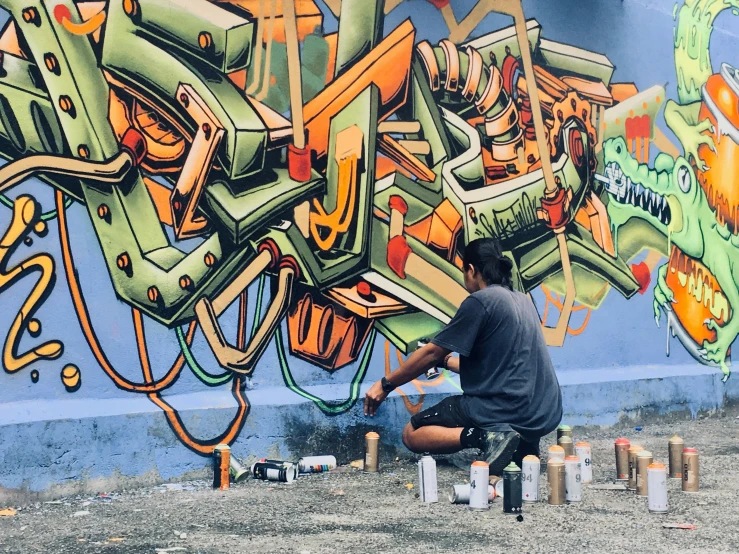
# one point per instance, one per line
(257, 183)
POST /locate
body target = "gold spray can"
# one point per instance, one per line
(569, 446)
(371, 452)
(622, 459)
(675, 447)
(690, 470)
(556, 482)
(221, 466)
(633, 452)
(643, 459)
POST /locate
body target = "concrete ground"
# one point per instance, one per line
(347, 511)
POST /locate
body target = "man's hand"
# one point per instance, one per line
(374, 397)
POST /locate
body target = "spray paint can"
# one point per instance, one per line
(316, 464)
(675, 448)
(657, 487)
(371, 452)
(690, 470)
(564, 431)
(585, 453)
(556, 452)
(622, 459)
(567, 445)
(556, 482)
(460, 494)
(512, 488)
(479, 475)
(530, 470)
(634, 450)
(573, 479)
(221, 464)
(643, 461)
(238, 471)
(284, 472)
(427, 480)
(497, 483)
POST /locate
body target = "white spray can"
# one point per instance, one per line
(316, 464)
(573, 479)
(585, 453)
(530, 469)
(657, 488)
(428, 491)
(479, 475)
(460, 494)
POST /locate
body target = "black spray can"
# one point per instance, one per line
(512, 489)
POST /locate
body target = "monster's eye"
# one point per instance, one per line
(618, 149)
(683, 179)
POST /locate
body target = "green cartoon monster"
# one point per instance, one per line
(694, 25)
(670, 199)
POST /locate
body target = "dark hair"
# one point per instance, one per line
(485, 256)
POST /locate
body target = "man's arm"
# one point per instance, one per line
(452, 363)
(416, 364)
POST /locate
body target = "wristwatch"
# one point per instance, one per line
(387, 386)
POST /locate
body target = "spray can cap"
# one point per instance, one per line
(556, 448)
(582, 444)
(636, 448)
(656, 465)
(676, 439)
(564, 428)
(565, 438)
(572, 459)
(479, 463)
(623, 440)
(644, 454)
(690, 450)
(512, 468)
(372, 435)
(530, 458)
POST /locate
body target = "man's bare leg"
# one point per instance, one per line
(433, 439)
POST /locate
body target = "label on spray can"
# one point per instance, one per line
(479, 475)
(316, 464)
(556, 482)
(573, 479)
(584, 452)
(622, 458)
(675, 449)
(427, 480)
(221, 465)
(657, 488)
(371, 452)
(643, 460)
(634, 450)
(690, 470)
(530, 470)
(512, 487)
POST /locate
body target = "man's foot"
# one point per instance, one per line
(499, 449)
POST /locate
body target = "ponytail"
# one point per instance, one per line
(486, 257)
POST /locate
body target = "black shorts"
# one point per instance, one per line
(447, 413)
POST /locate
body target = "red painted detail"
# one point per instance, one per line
(270, 246)
(642, 275)
(61, 12)
(397, 255)
(397, 203)
(133, 141)
(555, 208)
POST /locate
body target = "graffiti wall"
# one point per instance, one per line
(268, 198)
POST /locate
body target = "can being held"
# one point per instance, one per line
(284, 472)
(371, 452)
(573, 479)
(643, 461)
(675, 449)
(513, 491)
(567, 445)
(622, 459)
(238, 471)
(316, 464)
(564, 431)
(585, 453)
(221, 465)
(634, 450)
(530, 470)
(657, 485)
(460, 494)
(479, 475)
(690, 470)
(428, 491)
(556, 452)
(556, 482)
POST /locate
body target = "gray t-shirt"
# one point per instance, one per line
(505, 369)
